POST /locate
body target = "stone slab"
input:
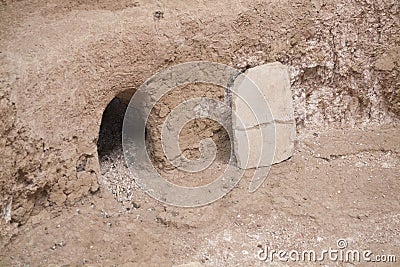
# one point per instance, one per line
(263, 116)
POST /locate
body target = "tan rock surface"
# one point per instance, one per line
(63, 62)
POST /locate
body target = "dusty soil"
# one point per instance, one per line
(65, 200)
(63, 62)
(339, 184)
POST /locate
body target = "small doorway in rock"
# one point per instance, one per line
(115, 173)
(110, 135)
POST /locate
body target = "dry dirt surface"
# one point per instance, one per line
(341, 184)
(66, 196)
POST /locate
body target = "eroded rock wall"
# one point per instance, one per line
(62, 63)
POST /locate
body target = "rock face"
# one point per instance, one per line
(263, 121)
(62, 64)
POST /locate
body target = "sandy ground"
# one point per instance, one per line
(340, 184)
(60, 57)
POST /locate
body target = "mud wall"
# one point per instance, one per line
(62, 63)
